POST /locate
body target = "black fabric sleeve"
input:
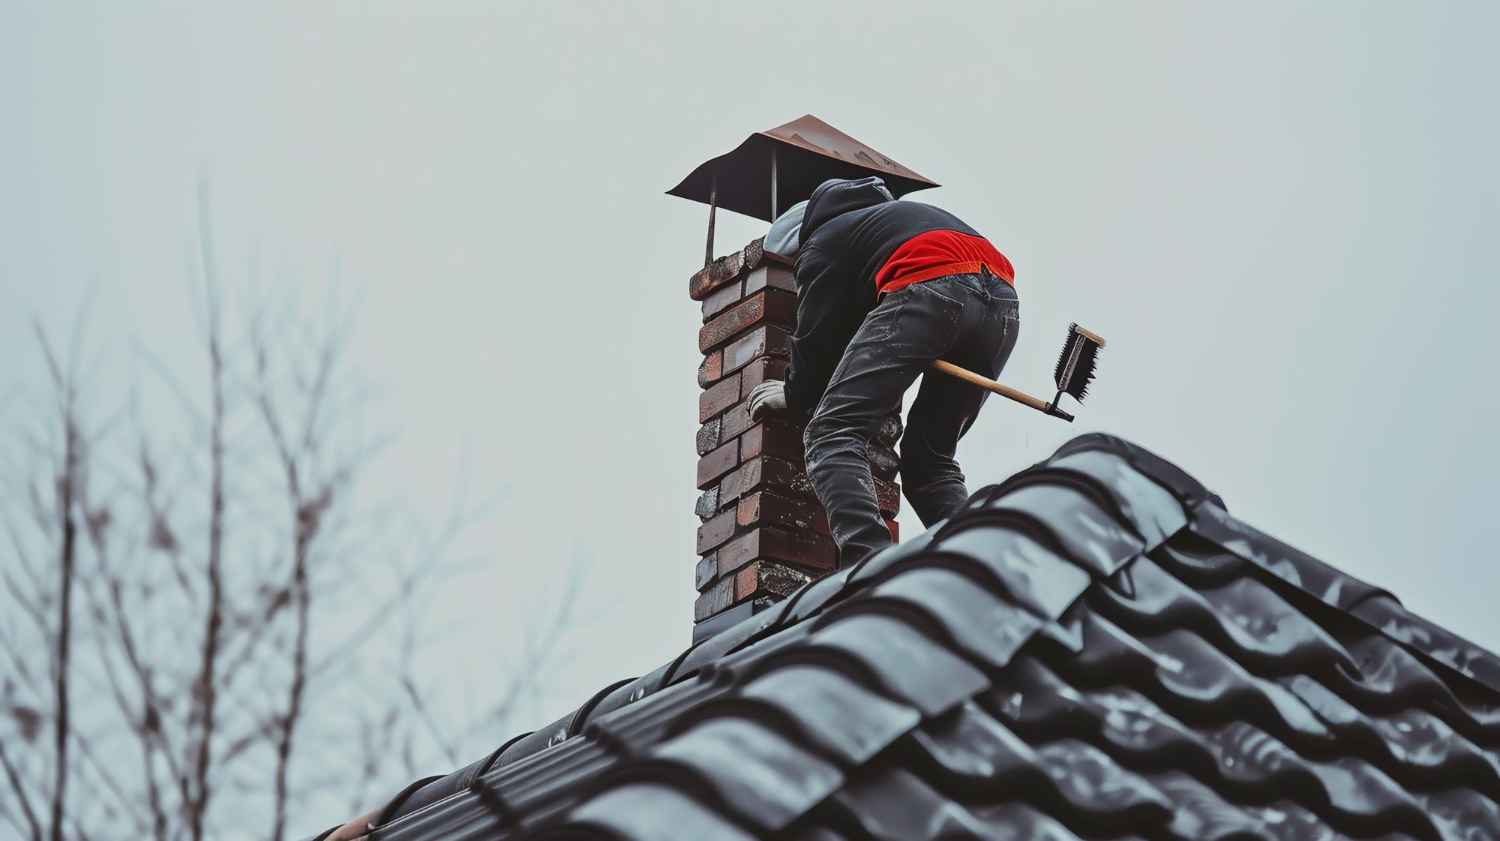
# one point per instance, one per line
(823, 330)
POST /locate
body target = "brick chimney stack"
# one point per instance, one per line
(763, 533)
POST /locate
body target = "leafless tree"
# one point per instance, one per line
(193, 586)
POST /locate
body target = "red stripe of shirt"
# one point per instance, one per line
(935, 254)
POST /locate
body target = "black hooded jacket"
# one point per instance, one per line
(849, 230)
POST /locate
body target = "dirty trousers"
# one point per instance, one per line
(970, 320)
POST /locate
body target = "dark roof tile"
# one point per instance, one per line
(908, 665)
(1301, 570)
(653, 812)
(1088, 535)
(1155, 514)
(981, 624)
(883, 562)
(834, 713)
(761, 774)
(1030, 573)
(1093, 649)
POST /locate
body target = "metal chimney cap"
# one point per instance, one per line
(805, 153)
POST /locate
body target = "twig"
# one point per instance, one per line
(20, 790)
(418, 704)
(66, 559)
(301, 596)
(308, 512)
(147, 727)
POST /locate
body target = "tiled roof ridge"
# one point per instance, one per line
(1377, 607)
(1094, 512)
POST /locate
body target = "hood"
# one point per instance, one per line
(838, 196)
(784, 238)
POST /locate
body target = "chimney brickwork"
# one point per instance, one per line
(763, 533)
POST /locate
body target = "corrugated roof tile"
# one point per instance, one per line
(838, 715)
(760, 773)
(1094, 649)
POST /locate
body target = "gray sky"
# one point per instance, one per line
(1281, 216)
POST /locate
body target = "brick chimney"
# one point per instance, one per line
(763, 533)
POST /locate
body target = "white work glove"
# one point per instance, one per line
(768, 396)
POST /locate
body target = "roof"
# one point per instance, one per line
(808, 152)
(1094, 648)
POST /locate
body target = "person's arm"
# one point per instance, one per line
(818, 344)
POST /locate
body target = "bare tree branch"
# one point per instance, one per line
(64, 491)
(204, 688)
(19, 790)
(146, 725)
(420, 706)
(308, 512)
(184, 617)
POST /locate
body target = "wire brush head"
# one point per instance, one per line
(1075, 366)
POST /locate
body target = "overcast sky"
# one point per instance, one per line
(1282, 217)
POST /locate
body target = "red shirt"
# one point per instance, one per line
(935, 254)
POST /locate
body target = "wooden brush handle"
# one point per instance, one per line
(986, 383)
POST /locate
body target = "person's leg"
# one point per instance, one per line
(946, 407)
(899, 339)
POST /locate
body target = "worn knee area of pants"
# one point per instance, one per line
(839, 467)
(826, 434)
(835, 450)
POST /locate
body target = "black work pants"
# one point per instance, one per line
(970, 320)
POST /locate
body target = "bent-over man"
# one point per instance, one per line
(884, 289)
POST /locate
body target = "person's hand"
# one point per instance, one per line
(769, 396)
(357, 828)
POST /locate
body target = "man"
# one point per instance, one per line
(884, 289)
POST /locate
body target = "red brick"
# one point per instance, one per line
(774, 474)
(718, 398)
(769, 472)
(718, 462)
(767, 579)
(716, 275)
(760, 370)
(754, 254)
(768, 509)
(715, 531)
(766, 340)
(722, 299)
(738, 552)
(775, 277)
(772, 439)
(726, 269)
(807, 550)
(714, 599)
(736, 420)
(887, 496)
(895, 528)
(884, 462)
(708, 435)
(711, 370)
(771, 305)
(729, 489)
(752, 441)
